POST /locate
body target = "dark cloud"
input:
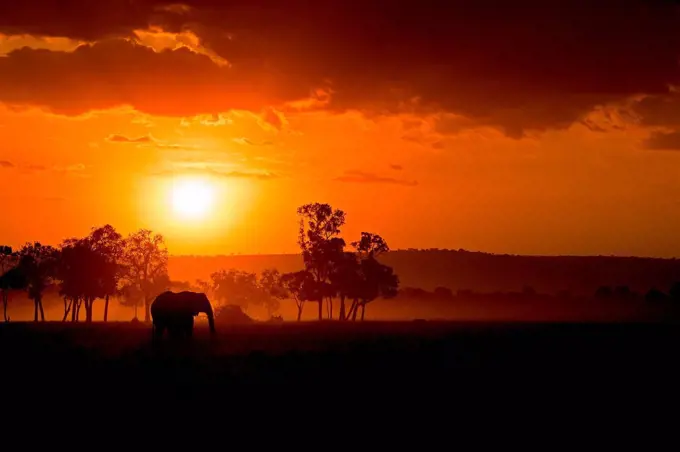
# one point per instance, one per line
(669, 141)
(396, 167)
(114, 73)
(371, 178)
(658, 110)
(123, 139)
(6, 164)
(517, 66)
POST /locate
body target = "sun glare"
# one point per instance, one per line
(192, 198)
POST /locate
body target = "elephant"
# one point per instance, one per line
(176, 310)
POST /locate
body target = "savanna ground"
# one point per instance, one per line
(445, 364)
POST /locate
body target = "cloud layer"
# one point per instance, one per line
(518, 66)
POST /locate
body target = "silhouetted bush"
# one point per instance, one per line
(231, 314)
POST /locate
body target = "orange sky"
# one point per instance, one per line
(78, 150)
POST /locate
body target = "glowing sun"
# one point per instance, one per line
(192, 198)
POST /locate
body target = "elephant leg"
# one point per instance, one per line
(158, 328)
(174, 329)
(189, 327)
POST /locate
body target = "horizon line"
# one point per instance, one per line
(434, 250)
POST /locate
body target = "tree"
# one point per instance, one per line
(131, 295)
(145, 265)
(10, 278)
(236, 287)
(273, 290)
(301, 286)
(203, 286)
(376, 280)
(87, 274)
(370, 245)
(320, 244)
(38, 264)
(346, 279)
(109, 243)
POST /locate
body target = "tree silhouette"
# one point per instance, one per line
(301, 286)
(346, 279)
(320, 245)
(376, 280)
(38, 264)
(109, 243)
(236, 287)
(86, 274)
(144, 263)
(131, 295)
(370, 245)
(10, 277)
(273, 290)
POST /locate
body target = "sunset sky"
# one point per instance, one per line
(507, 127)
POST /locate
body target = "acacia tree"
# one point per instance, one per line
(145, 265)
(321, 245)
(131, 296)
(86, 274)
(373, 278)
(236, 287)
(301, 287)
(370, 245)
(38, 264)
(109, 243)
(346, 279)
(273, 290)
(378, 281)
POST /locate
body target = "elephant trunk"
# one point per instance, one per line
(211, 319)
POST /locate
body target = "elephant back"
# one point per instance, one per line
(169, 303)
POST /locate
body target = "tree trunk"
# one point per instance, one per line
(67, 308)
(320, 309)
(35, 310)
(330, 308)
(5, 299)
(300, 305)
(42, 312)
(106, 308)
(88, 310)
(147, 309)
(74, 308)
(342, 307)
(80, 303)
(5, 302)
(363, 311)
(353, 310)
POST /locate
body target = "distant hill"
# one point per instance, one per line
(477, 271)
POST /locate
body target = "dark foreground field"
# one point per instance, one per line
(373, 354)
(420, 368)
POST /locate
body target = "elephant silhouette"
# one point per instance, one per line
(175, 312)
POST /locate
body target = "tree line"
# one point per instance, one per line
(102, 265)
(134, 269)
